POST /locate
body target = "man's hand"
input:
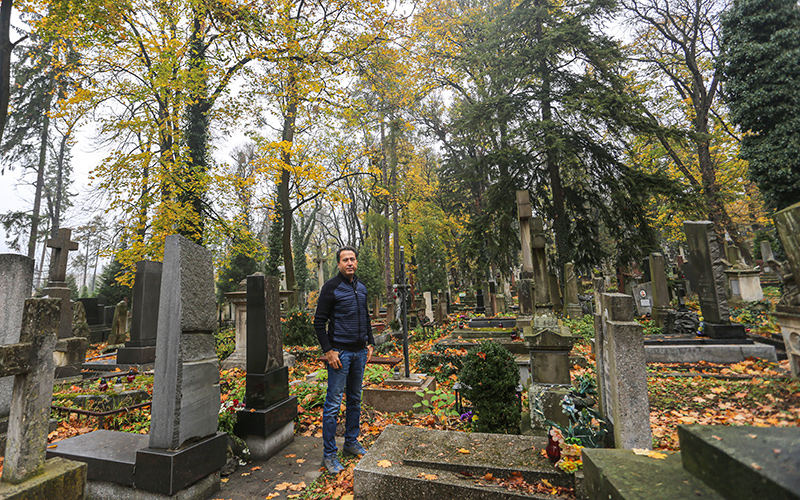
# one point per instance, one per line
(332, 357)
(370, 348)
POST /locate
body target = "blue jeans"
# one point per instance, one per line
(349, 379)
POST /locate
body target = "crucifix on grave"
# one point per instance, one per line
(70, 351)
(61, 246)
(402, 291)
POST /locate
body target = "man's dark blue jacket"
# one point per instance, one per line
(343, 306)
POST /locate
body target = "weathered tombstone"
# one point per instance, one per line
(119, 325)
(16, 281)
(573, 308)
(766, 256)
(626, 374)
(428, 296)
(267, 423)
(525, 281)
(541, 278)
(788, 309)
(141, 348)
(480, 307)
(183, 453)
(549, 343)
(660, 289)
(643, 298)
(705, 255)
(600, 347)
(238, 358)
(26, 473)
(555, 292)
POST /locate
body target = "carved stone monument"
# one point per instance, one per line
(788, 309)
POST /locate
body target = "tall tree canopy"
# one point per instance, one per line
(761, 63)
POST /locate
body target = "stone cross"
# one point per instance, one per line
(186, 393)
(61, 246)
(31, 363)
(16, 281)
(626, 373)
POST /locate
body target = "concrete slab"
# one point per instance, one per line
(299, 462)
(733, 353)
(622, 475)
(412, 452)
(62, 479)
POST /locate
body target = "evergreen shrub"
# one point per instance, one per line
(491, 378)
(298, 329)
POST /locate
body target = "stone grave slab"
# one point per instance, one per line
(743, 462)
(414, 453)
(623, 475)
(687, 348)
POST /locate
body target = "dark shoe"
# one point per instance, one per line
(355, 449)
(332, 464)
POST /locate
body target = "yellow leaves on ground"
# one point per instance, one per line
(428, 477)
(384, 463)
(649, 453)
(286, 486)
(463, 450)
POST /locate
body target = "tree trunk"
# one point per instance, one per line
(395, 215)
(37, 200)
(5, 62)
(387, 261)
(289, 120)
(59, 195)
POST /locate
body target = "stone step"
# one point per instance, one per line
(775, 340)
(742, 462)
(622, 475)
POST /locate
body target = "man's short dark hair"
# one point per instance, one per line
(345, 248)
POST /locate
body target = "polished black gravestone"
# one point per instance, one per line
(141, 348)
(267, 422)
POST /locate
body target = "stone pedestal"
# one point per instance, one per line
(789, 319)
(549, 344)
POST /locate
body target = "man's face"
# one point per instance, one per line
(348, 263)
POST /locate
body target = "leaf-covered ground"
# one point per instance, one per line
(752, 392)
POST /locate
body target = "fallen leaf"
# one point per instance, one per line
(463, 450)
(282, 486)
(755, 466)
(384, 463)
(224, 480)
(245, 473)
(272, 495)
(716, 437)
(256, 468)
(752, 436)
(649, 453)
(489, 476)
(740, 395)
(290, 455)
(717, 390)
(347, 497)
(776, 451)
(429, 477)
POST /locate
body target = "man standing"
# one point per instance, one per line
(348, 345)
